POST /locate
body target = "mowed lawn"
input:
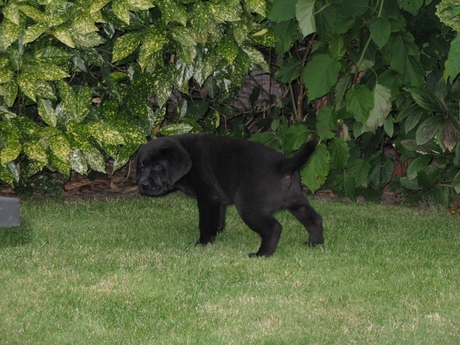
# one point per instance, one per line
(125, 271)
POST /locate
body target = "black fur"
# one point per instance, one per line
(219, 171)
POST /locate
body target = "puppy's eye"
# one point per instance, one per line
(158, 166)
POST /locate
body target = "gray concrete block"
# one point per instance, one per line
(9, 212)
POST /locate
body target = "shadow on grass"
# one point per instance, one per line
(14, 236)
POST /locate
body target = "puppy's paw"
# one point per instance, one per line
(257, 255)
(313, 244)
(205, 242)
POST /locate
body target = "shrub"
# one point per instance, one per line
(88, 80)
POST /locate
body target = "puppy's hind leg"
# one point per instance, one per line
(269, 230)
(311, 220)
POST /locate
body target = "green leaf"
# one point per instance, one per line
(320, 75)
(305, 14)
(417, 165)
(126, 44)
(428, 100)
(359, 103)
(285, 33)
(337, 47)
(293, 137)
(412, 6)
(388, 126)
(406, 112)
(349, 186)
(283, 10)
(315, 173)
(452, 64)
(411, 145)
(359, 170)
(380, 31)
(340, 153)
(413, 119)
(353, 8)
(404, 57)
(289, 70)
(456, 183)
(382, 107)
(428, 129)
(326, 123)
(381, 172)
(456, 160)
(449, 134)
(197, 110)
(46, 112)
(409, 184)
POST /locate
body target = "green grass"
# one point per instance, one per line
(123, 271)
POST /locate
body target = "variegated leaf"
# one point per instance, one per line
(105, 133)
(35, 149)
(60, 147)
(33, 32)
(152, 46)
(78, 161)
(9, 33)
(46, 112)
(95, 160)
(172, 11)
(9, 91)
(126, 44)
(121, 10)
(256, 6)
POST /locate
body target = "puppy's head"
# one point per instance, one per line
(159, 165)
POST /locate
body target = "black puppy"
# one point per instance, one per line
(219, 171)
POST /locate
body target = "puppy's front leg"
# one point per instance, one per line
(212, 220)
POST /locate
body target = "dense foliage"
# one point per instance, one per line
(373, 80)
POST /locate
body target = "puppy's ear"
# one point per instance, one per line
(136, 165)
(179, 163)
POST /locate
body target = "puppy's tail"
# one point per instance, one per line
(289, 165)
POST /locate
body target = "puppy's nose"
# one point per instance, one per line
(144, 185)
